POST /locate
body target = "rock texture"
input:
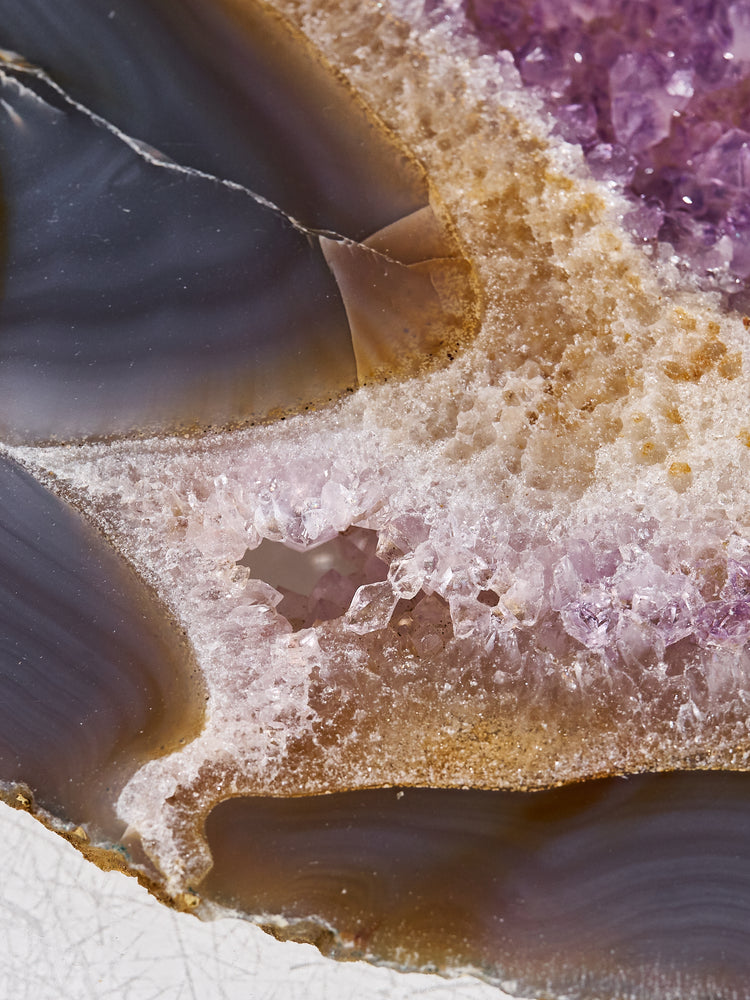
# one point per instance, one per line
(535, 560)
(656, 93)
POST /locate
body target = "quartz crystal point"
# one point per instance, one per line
(525, 569)
(170, 171)
(657, 95)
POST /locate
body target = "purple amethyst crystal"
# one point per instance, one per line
(591, 621)
(657, 95)
(526, 568)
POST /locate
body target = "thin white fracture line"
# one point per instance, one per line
(18, 64)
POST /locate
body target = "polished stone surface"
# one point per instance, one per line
(639, 884)
(95, 676)
(203, 226)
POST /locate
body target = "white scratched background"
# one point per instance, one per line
(69, 931)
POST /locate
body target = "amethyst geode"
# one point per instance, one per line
(526, 565)
(657, 95)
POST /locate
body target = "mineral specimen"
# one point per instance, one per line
(537, 886)
(526, 568)
(94, 679)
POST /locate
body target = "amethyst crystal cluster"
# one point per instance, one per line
(657, 95)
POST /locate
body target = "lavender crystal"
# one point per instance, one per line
(657, 95)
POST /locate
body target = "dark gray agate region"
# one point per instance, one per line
(136, 295)
(230, 90)
(95, 679)
(167, 170)
(635, 887)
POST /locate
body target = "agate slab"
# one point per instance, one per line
(524, 565)
(195, 179)
(530, 888)
(94, 679)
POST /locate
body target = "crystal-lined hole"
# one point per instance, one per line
(318, 584)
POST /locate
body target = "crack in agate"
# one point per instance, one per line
(150, 155)
(238, 347)
(154, 158)
(597, 652)
(209, 106)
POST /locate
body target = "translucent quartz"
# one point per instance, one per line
(656, 93)
(562, 512)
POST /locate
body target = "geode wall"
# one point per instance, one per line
(433, 475)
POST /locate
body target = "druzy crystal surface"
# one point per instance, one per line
(525, 565)
(657, 96)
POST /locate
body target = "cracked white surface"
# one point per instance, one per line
(69, 930)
